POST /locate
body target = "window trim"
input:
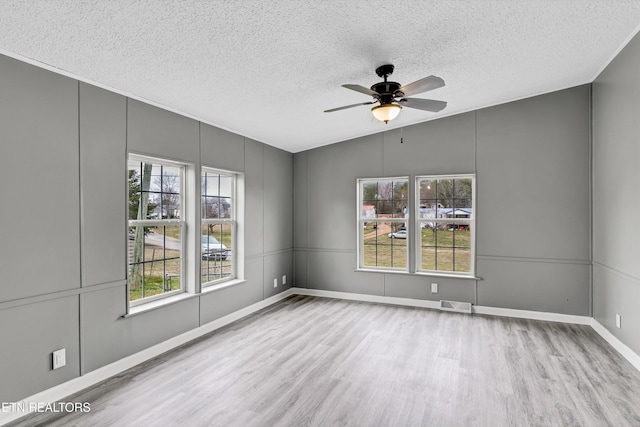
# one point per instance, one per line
(417, 244)
(234, 224)
(360, 222)
(182, 223)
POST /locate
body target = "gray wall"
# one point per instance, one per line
(616, 182)
(532, 160)
(63, 148)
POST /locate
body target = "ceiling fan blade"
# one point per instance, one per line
(362, 89)
(422, 85)
(423, 104)
(348, 106)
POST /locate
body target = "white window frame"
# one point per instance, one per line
(233, 221)
(162, 223)
(466, 221)
(361, 223)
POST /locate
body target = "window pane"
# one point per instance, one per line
(463, 260)
(429, 237)
(444, 192)
(427, 189)
(384, 198)
(136, 278)
(226, 191)
(462, 194)
(428, 210)
(210, 207)
(167, 181)
(217, 253)
(385, 245)
(217, 192)
(428, 261)
(154, 261)
(443, 195)
(444, 258)
(154, 191)
(140, 204)
(462, 248)
(445, 247)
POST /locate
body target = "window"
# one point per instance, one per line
(218, 233)
(156, 228)
(382, 230)
(445, 220)
(431, 232)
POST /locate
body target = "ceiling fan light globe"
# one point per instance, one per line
(386, 112)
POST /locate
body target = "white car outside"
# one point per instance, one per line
(213, 249)
(402, 234)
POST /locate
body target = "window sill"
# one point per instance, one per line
(380, 270)
(223, 285)
(452, 276)
(422, 273)
(159, 303)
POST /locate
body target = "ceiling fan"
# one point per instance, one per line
(391, 95)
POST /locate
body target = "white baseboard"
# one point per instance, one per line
(494, 311)
(59, 392)
(622, 348)
(366, 298)
(532, 315)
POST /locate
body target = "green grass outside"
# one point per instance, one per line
(444, 250)
(155, 268)
(154, 285)
(445, 237)
(380, 250)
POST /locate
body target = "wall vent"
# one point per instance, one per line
(460, 307)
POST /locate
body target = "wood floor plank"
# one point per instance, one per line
(309, 361)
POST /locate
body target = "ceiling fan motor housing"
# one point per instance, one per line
(387, 90)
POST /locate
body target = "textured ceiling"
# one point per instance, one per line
(268, 69)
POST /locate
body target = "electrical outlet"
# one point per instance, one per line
(59, 358)
(284, 279)
(434, 288)
(275, 283)
(618, 321)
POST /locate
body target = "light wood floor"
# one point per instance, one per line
(316, 361)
